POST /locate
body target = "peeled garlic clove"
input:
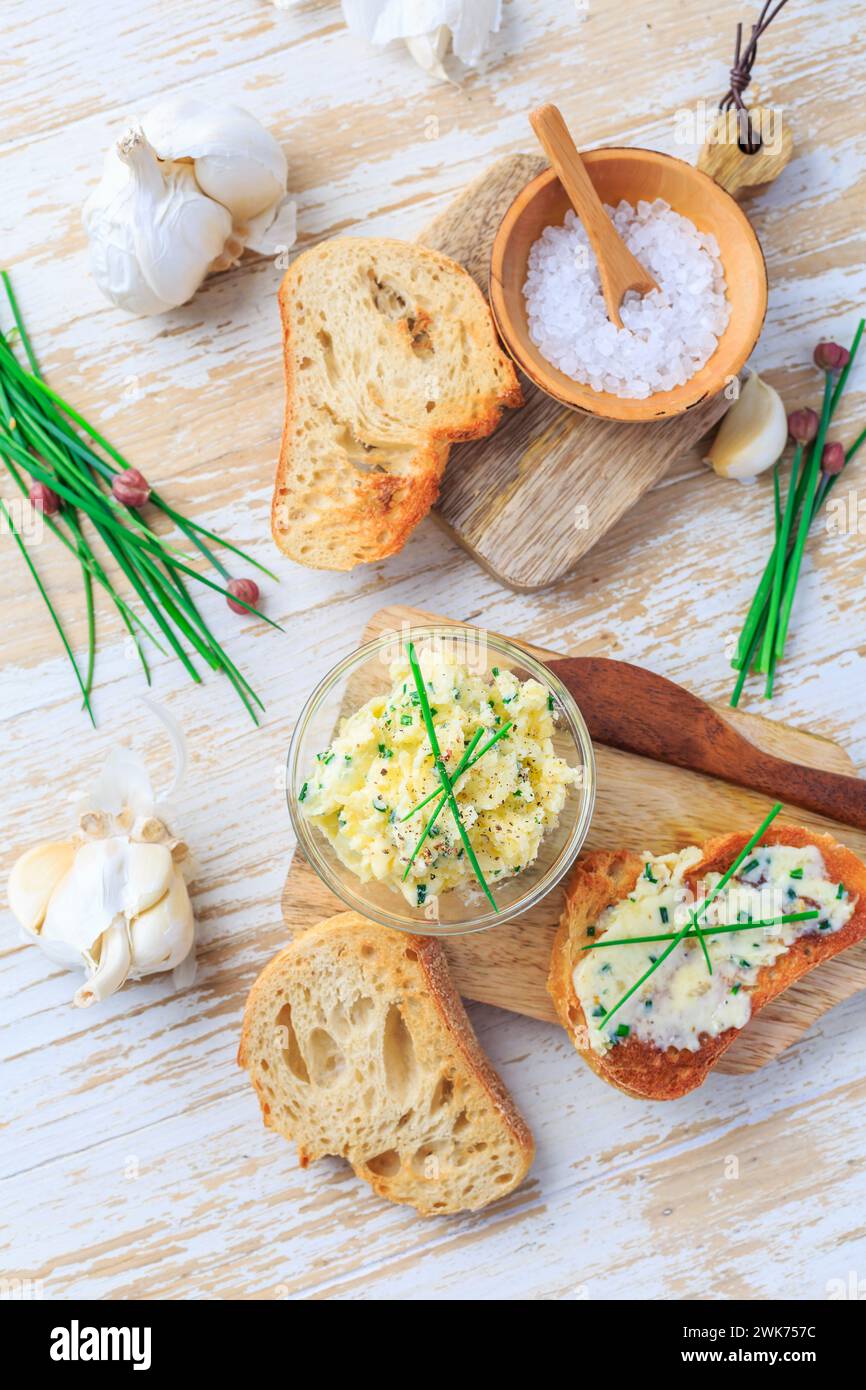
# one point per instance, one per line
(163, 935)
(34, 878)
(430, 50)
(753, 434)
(149, 873)
(237, 162)
(112, 966)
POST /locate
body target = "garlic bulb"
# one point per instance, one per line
(236, 161)
(182, 195)
(753, 434)
(111, 899)
(429, 27)
(153, 233)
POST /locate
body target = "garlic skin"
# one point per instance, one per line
(112, 900)
(753, 434)
(153, 234)
(429, 27)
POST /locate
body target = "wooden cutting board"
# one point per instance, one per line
(640, 805)
(532, 499)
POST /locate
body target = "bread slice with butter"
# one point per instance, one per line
(358, 1045)
(391, 355)
(669, 1036)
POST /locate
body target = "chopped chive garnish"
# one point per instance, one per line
(590, 931)
(648, 873)
(752, 864)
(735, 989)
(824, 926)
(461, 767)
(421, 894)
(663, 913)
(302, 794)
(840, 891)
(598, 1012)
(385, 752)
(405, 719)
(464, 765)
(699, 911)
(622, 1030)
(496, 670)
(550, 702)
(796, 873)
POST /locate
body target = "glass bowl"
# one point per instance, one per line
(365, 674)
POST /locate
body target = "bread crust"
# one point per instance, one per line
(602, 878)
(386, 506)
(350, 932)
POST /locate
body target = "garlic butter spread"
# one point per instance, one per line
(380, 766)
(681, 1001)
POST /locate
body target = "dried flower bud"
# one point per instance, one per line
(44, 499)
(803, 426)
(830, 357)
(246, 589)
(833, 459)
(130, 487)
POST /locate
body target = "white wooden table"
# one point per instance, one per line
(134, 1162)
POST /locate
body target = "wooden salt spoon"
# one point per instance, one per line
(617, 267)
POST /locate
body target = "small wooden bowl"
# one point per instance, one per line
(632, 174)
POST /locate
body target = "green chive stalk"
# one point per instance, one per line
(796, 561)
(783, 531)
(443, 773)
(708, 931)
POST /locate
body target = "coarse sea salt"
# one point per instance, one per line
(666, 336)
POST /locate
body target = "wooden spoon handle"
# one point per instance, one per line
(618, 269)
(554, 138)
(633, 709)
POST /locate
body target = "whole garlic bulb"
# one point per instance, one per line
(112, 899)
(182, 195)
(153, 233)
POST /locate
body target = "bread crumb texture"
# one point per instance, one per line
(391, 355)
(358, 1045)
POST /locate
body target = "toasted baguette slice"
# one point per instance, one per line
(603, 878)
(358, 1045)
(390, 355)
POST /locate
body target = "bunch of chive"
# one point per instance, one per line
(765, 631)
(69, 471)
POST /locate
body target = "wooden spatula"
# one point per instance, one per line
(627, 707)
(617, 267)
